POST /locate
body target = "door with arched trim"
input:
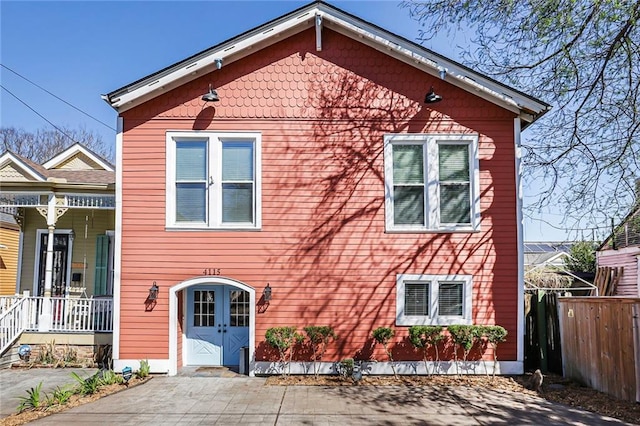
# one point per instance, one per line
(217, 324)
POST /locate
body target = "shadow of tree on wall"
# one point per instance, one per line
(341, 174)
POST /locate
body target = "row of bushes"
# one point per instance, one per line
(422, 338)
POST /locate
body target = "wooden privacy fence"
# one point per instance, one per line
(601, 343)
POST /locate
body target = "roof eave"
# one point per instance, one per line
(527, 107)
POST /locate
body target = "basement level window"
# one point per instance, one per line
(433, 299)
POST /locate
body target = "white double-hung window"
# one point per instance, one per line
(213, 180)
(433, 299)
(431, 183)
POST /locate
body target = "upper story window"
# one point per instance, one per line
(431, 183)
(213, 180)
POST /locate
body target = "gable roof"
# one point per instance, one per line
(77, 149)
(99, 172)
(319, 15)
(35, 171)
(626, 234)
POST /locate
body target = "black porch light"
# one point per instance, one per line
(211, 96)
(266, 293)
(432, 97)
(153, 291)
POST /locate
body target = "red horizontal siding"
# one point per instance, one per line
(322, 247)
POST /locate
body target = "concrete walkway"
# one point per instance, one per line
(14, 383)
(212, 400)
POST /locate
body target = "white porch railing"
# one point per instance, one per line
(12, 322)
(71, 315)
(67, 315)
(6, 302)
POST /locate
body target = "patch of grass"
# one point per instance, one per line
(109, 377)
(60, 396)
(87, 386)
(144, 369)
(33, 400)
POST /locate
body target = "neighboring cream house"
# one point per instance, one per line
(64, 213)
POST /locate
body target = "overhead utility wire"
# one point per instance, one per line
(57, 97)
(38, 114)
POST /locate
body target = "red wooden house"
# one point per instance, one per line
(323, 174)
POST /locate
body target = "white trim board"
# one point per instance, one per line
(520, 239)
(156, 366)
(403, 368)
(117, 255)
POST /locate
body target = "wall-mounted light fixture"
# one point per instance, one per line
(212, 95)
(266, 293)
(153, 292)
(432, 97)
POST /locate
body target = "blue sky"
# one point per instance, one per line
(80, 50)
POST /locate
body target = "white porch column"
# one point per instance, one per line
(52, 214)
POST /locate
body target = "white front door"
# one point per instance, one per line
(217, 324)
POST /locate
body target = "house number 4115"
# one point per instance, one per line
(211, 271)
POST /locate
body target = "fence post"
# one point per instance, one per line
(541, 315)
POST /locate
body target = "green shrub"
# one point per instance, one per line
(33, 400)
(109, 377)
(319, 337)
(582, 257)
(345, 368)
(463, 336)
(87, 386)
(383, 335)
(495, 334)
(423, 336)
(144, 369)
(60, 396)
(283, 339)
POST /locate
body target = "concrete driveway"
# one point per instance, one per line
(208, 400)
(14, 383)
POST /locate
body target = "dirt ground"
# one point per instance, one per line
(555, 388)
